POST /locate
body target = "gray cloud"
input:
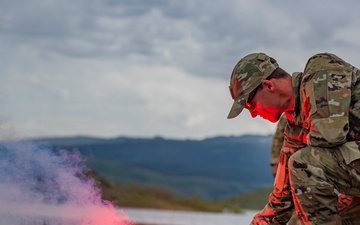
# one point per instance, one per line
(111, 67)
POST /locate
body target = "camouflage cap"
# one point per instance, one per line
(246, 76)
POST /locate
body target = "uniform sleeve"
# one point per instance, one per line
(277, 142)
(280, 206)
(325, 100)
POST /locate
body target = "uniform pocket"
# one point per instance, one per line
(350, 151)
(328, 132)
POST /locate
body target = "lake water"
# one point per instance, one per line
(168, 217)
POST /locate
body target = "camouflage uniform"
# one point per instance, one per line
(277, 143)
(278, 140)
(344, 201)
(321, 153)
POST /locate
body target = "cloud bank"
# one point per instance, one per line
(148, 68)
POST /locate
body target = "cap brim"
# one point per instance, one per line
(235, 110)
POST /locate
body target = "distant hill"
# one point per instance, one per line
(212, 168)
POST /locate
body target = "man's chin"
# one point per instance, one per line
(271, 119)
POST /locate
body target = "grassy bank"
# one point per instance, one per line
(157, 198)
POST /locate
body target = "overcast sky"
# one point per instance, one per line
(147, 68)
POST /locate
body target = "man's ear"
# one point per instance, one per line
(269, 85)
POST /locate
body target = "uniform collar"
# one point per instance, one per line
(296, 80)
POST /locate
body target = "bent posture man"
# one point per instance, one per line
(320, 156)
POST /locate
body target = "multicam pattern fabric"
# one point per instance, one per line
(317, 174)
(277, 141)
(321, 152)
(348, 206)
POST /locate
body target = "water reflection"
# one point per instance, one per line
(168, 217)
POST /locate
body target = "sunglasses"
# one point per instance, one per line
(248, 104)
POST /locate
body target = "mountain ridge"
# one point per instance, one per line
(211, 168)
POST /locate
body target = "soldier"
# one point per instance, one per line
(320, 155)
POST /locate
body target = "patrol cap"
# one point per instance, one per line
(248, 73)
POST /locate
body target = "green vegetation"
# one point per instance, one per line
(140, 196)
(252, 200)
